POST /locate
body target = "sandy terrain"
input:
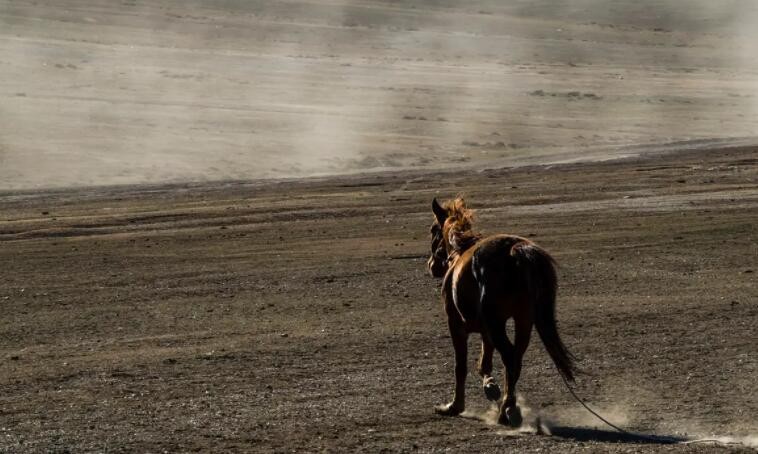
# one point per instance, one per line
(214, 219)
(297, 316)
(134, 91)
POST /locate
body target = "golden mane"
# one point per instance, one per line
(458, 227)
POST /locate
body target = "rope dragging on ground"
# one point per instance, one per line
(655, 439)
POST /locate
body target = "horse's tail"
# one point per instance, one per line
(542, 286)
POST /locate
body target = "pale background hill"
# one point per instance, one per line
(126, 92)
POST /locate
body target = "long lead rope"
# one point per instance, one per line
(643, 436)
(578, 399)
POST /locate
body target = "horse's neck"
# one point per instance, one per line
(466, 242)
(463, 241)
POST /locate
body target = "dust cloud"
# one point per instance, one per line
(749, 441)
(628, 407)
(169, 91)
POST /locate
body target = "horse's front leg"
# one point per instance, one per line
(460, 340)
(491, 389)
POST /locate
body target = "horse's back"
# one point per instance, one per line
(488, 267)
(494, 256)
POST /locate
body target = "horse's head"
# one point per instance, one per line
(437, 262)
(451, 234)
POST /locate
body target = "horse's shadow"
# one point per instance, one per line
(547, 428)
(541, 426)
(610, 436)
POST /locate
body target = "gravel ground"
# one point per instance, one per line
(298, 316)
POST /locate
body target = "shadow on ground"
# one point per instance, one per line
(611, 436)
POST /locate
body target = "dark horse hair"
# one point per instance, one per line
(542, 284)
(486, 282)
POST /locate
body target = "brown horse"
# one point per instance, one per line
(487, 281)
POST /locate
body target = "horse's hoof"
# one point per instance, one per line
(510, 417)
(492, 391)
(448, 410)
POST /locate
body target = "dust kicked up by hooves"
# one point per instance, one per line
(531, 420)
(586, 427)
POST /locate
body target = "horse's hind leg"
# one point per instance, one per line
(460, 343)
(509, 410)
(496, 332)
(491, 389)
(512, 358)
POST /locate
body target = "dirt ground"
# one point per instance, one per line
(268, 307)
(298, 316)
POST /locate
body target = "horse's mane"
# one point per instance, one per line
(458, 227)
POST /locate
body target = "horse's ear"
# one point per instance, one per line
(439, 212)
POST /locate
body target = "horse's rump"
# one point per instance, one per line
(538, 268)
